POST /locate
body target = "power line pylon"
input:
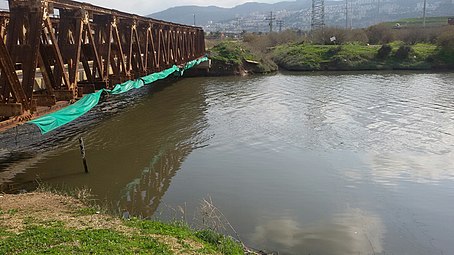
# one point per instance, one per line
(318, 14)
(346, 14)
(271, 19)
(280, 23)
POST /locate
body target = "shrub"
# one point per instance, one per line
(323, 36)
(380, 34)
(333, 51)
(417, 35)
(446, 39)
(384, 51)
(403, 52)
(357, 35)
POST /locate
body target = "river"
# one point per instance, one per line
(299, 163)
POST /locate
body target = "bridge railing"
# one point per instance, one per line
(52, 50)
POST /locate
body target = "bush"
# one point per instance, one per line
(446, 39)
(380, 34)
(384, 51)
(357, 35)
(323, 36)
(333, 51)
(416, 35)
(403, 52)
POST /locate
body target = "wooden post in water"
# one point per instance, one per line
(82, 152)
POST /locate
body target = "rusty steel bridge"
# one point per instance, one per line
(57, 50)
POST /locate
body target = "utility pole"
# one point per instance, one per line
(271, 19)
(318, 14)
(424, 14)
(280, 23)
(194, 19)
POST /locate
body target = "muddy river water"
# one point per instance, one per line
(323, 163)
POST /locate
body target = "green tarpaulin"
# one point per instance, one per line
(59, 118)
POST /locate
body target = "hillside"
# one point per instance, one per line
(212, 14)
(297, 14)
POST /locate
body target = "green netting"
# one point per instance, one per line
(126, 86)
(161, 75)
(59, 118)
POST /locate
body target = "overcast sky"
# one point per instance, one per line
(144, 7)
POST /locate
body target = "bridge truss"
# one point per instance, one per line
(73, 47)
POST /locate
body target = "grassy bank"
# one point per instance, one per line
(379, 47)
(393, 56)
(44, 222)
(236, 58)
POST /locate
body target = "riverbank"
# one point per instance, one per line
(45, 222)
(235, 58)
(358, 57)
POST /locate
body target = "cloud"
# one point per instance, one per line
(354, 231)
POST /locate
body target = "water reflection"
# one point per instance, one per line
(132, 156)
(142, 196)
(352, 232)
(393, 168)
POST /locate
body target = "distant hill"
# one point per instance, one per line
(206, 15)
(297, 14)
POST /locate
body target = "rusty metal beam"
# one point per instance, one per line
(63, 37)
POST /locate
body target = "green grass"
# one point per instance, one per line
(234, 52)
(59, 240)
(86, 211)
(10, 212)
(69, 231)
(307, 57)
(214, 241)
(231, 52)
(222, 243)
(53, 237)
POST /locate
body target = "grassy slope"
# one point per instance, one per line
(233, 52)
(40, 223)
(351, 57)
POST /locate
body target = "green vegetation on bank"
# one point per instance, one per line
(43, 222)
(235, 57)
(307, 57)
(378, 47)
